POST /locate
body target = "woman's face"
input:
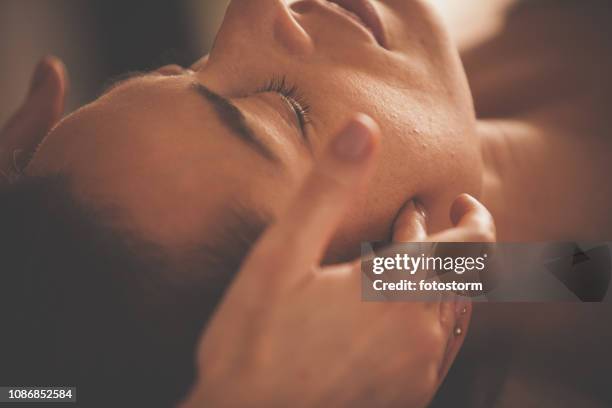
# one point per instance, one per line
(176, 149)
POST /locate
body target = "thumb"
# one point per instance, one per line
(41, 110)
(301, 236)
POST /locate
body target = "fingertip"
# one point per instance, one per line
(49, 74)
(462, 206)
(467, 211)
(59, 74)
(57, 64)
(52, 61)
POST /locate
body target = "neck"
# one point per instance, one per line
(504, 163)
(544, 183)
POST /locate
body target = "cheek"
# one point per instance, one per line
(370, 218)
(432, 170)
(429, 152)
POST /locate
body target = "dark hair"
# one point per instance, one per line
(86, 304)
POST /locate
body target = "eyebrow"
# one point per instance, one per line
(231, 116)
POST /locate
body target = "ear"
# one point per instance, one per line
(41, 110)
(410, 224)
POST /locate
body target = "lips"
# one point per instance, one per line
(363, 12)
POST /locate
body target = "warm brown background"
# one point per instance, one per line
(98, 39)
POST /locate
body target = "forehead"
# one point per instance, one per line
(157, 152)
(143, 125)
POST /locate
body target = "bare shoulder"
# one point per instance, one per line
(548, 68)
(544, 51)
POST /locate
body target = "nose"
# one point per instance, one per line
(266, 23)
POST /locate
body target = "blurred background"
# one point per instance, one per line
(100, 39)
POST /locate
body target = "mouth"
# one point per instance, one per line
(365, 14)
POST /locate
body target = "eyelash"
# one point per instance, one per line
(292, 95)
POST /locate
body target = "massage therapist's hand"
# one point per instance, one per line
(290, 333)
(41, 110)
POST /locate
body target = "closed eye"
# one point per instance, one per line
(293, 97)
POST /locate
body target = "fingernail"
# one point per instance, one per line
(356, 141)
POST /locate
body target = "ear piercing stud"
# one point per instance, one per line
(458, 331)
